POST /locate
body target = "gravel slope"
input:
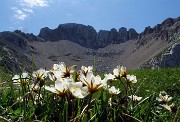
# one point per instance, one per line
(126, 54)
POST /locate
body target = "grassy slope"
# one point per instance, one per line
(149, 81)
(155, 80)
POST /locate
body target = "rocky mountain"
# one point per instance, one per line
(16, 51)
(168, 30)
(87, 36)
(82, 45)
(169, 57)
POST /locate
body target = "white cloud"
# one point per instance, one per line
(28, 10)
(27, 7)
(19, 14)
(34, 3)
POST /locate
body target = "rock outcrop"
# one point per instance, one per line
(15, 51)
(78, 33)
(87, 36)
(168, 30)
(171, 58)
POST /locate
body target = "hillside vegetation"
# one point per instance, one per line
(154, 80)
(19, 104)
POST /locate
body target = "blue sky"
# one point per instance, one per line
(32, 15)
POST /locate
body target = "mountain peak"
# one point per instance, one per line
(87, 36)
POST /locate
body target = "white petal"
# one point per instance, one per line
(24, 75)
(77, 93)
(16, 77)
(57, 74)
(60, 86)
(170, 98)
(63, 67)
(97, 80)
(78, 84)
(89, 76)
(52, 89)
(90, 68)
(138, 98)
(56, 67)
(116, 72)
(83, 79)
(110, 76)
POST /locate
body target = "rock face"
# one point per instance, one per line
(168, 30)
(15, 54)
(123, 34)
(87, 36)
(81, 34)
(169, 57)
(172, 58)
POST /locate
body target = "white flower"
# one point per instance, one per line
(56, 67)
(21, 79)
(52, 76)
(171, 107)
(35, 87)
(92, 82)
(168, 107)
(25, 75)
(77, 89)
(163, 97)
(85, 70)
(60, 87)
(109, 77)
(120, 71)
(131, 78)
(16, 79)
(40, 76)
(135, 98)
(112, 90)
(62, 71)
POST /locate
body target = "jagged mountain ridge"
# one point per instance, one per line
(87, 36)
(82, 45)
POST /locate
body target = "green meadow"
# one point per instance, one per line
(20, 102)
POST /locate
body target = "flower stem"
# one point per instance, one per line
(89, 104)
(73, 114)
(131, 90)
(126, 92)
